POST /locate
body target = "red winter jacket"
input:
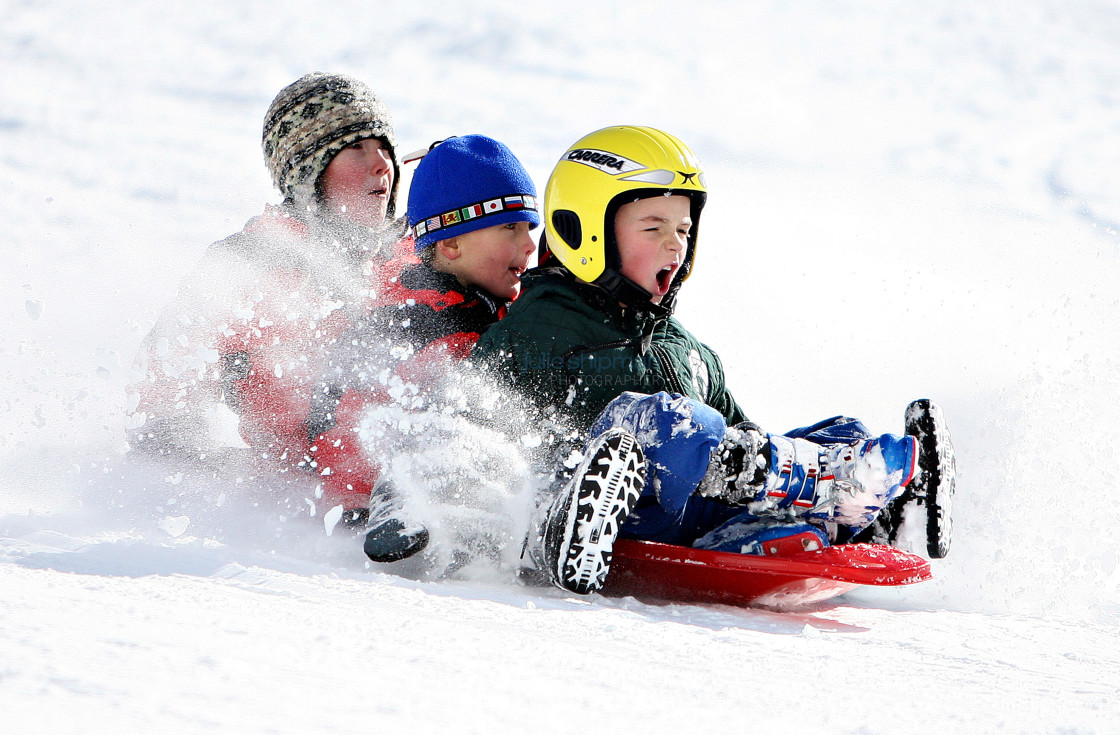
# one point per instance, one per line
(426, 320)
(248, 337)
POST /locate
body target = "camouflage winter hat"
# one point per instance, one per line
(314, 118)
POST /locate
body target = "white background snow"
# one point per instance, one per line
(907, 200)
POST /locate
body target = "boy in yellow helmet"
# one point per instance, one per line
(671, 455)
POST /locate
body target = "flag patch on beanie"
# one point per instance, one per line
(474, 211)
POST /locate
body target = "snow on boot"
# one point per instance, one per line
(936, 479)
(738, 467)
(580, 526)
(838, 486)
(388, 538)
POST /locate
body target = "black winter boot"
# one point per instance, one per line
(932, 488)
(388, 538)
(936, 479)
(574, 537)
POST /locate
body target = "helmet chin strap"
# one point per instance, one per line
(619, 286)
(630, 293)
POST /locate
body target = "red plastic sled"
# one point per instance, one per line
(646, 569)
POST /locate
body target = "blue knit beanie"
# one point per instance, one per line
(465, 184)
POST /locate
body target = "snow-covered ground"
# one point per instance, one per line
(907, 199)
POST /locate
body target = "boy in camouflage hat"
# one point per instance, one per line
(250, 328)
(314, 120)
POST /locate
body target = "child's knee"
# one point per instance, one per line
(664, 417)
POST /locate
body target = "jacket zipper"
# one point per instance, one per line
(666, 367)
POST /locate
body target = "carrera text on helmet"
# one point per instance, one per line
(604, 161)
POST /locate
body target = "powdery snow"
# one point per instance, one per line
(906, 201)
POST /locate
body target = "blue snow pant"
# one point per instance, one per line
(677, 435)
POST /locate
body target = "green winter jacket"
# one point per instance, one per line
(569, 345)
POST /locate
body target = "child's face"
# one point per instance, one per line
(652, 237)
(493, 258)
(358, 181)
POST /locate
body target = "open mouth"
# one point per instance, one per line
(518, 269)
(665, 278)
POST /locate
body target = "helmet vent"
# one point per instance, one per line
(567, 226)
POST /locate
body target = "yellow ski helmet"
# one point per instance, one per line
(598, 174)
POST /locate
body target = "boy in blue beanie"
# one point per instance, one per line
(471, 207)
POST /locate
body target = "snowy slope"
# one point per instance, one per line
(909, 199)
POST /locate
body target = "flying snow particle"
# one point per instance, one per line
(174, 526)
(331, 518)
